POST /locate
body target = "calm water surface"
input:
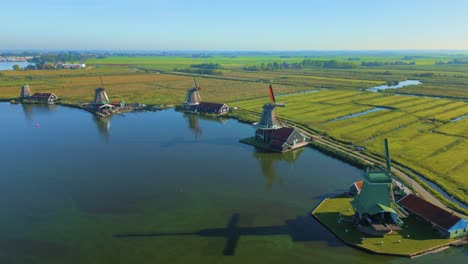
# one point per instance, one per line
(9, 65)
(399, 85)
(162, 187)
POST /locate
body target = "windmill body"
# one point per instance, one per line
(272, 134)
(25, 91)
(374, 204)
(268, 119)
(100, 96)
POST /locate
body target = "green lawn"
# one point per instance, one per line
(415, 236)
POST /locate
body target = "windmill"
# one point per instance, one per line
(100, 95)
(25, 91)
(268, 119)
(193, 96)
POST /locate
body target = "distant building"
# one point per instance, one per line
(212, 108)
(49, 98)
(447, 224)
(280, 139)
(71, 65)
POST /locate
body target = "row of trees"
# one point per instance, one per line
(378, 63)
(63, 57)
(455, 61)
(204, 68)
(306, 63)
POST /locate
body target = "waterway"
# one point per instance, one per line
(182, 186)
(9, 65)
(459, 118)
(375, 109)
(399, 85)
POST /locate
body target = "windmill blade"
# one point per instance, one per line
(272, 95)
(102, 83)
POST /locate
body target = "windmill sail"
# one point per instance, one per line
(272, 95)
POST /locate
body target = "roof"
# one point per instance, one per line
(41, 95)
(209, 107)
(429, 211)
(377, 177)
(281, 134)
(358, 184)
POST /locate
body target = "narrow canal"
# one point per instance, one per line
(163, 187)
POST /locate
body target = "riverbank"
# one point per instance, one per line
(413, 240)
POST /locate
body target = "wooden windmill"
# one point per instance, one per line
(193, 95)
(268, 119)
(25, 91)
(100, 95)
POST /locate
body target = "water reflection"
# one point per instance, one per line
(194, 125)
(269, 161)
(103, 125)
(29, 109)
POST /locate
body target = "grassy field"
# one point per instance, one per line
(413, 238)
(419, 129)
(131, 85)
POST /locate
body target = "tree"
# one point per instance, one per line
(16, 67)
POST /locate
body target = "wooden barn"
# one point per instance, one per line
(212, 108)
(49, 98)
(281, 139)
(447, 224)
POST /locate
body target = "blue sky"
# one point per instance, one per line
(234, 25)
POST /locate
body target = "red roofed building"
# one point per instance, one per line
(447, 223)
(212, 108)
(49, 98)
(281, 139)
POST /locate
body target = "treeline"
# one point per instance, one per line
(378, 63)
(210, 66)
(306, 63)
(455, 61)
(64, 57)
(204, 68)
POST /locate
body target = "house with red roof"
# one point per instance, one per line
(281, 139)
(49, 98)
(447, 223)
